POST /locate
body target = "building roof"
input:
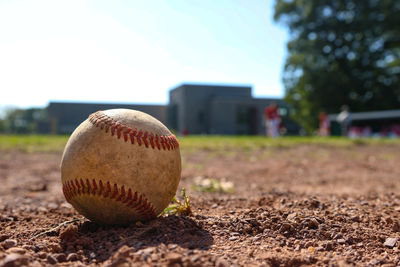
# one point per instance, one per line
(370, 115)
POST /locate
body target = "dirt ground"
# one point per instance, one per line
(304, 205)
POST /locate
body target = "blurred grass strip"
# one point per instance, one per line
(33, 143)
(56, 143)
(260, 142)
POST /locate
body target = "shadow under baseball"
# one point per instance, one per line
(100, 242)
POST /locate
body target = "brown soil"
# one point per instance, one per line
(306, 205)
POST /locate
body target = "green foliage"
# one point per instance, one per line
(178, 207)
(341, 52)
(22, 121)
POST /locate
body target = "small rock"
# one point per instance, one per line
(341, 241)
(72, 257)
(119, 262)
(390, 242)
(195, 258)
(172, 246)
(29, 247)
(329, 246)
(338, 236)
(60, 257)
(146, 251)
(173, 258)
(313, 223)
(3, 237)
(396, 226)
(220, 262)
(233, 238)
(69, 233)
(42, 254)
(14, 259)
(308, 244)
(291, 216)
(286, 227)
(54, 247)
(9, 243)
(17, 250)
(389, 220)
(155, 257)
(51, 259)
(124, 251)
(42, 209)
(52, 206)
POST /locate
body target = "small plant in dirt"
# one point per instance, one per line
(178, 207)
(212, 185)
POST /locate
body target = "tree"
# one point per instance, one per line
(340, 52)
(22, 121)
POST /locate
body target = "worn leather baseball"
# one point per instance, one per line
(120, 166)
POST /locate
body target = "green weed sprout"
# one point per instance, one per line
(178, 207)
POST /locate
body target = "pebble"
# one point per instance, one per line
(42, 254)
(313, 223)
(146, 251)
(51, 259)
(3, 237)
(390, 242)
(42, 209)
(220, 262)
(60, 257)
(173, 258)
(72, 257)
(341, 241)
(52, 206)
(291, 216)
(9, 243)
(396, 226)
(14, 259)
(172, 246)
(17, 250)
(155, 257)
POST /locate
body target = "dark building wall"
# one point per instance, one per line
(176, 109)
(193, 105)
(240, 116)
(192, 109)
(64, 117)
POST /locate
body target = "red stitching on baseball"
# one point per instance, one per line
(136, 201)
(104, 122)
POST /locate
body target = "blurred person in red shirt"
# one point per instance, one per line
(324, 124)
(272, 120)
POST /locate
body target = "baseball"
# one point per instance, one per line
(120, 166)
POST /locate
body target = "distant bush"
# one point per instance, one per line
(23, 121)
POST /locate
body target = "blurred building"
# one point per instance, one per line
(216, 109)
(192, 109)
(64, 117)
(382, 123)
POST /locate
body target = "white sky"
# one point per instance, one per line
(135, 51)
